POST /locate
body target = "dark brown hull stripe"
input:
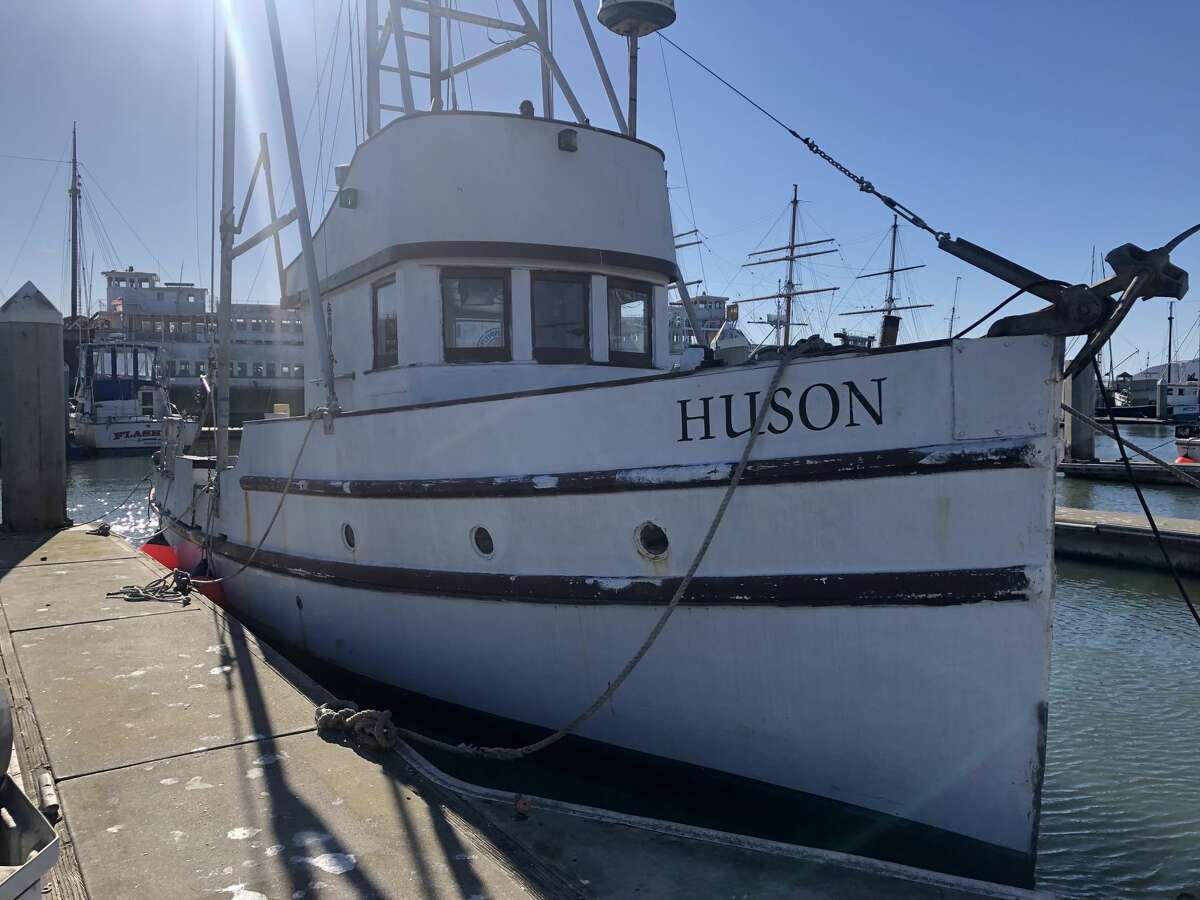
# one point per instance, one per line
(798, 469)
(940, 588)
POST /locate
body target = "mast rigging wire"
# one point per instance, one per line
(32, 224)
(687, 182)
(863, 184)
(1112, 421)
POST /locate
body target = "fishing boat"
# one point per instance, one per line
(502, 483)
(119, 402)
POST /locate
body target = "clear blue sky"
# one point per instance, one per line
(1038, 129)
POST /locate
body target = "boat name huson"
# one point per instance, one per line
(818, 407)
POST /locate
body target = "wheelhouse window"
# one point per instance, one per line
(385, 312)
(476, 311)
(629, 318)
(560, 316)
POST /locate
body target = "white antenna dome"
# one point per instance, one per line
(636, 18)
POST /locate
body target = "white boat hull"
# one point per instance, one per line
(871, 625)
(132, 435)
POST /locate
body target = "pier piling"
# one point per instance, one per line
(33, 424)
(1079, 440)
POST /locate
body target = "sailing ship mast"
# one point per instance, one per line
(889, 327)
(74, 194)
(791, 289)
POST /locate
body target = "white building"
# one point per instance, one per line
(712, 314)
(266, 359)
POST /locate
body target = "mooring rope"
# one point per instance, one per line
(375, 729)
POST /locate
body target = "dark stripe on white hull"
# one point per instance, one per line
(939, 588)
(834, 467)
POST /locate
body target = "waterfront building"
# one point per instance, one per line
(266, 358)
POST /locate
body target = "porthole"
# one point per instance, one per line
(651, 541)
(481, 538)
(348, 536)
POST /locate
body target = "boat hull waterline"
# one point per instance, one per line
(872, 624)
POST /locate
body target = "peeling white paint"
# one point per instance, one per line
(242, 834)
(136, 673)
(256, 772)
(196, 783)
(220, 670)
(269, 759)
(169, 781)
(274, 850)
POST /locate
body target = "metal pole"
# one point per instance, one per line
(633, 77)
(225, 297)
(954, 304)
(791, 272)
(401, 42)
(547, 78)
(531, 28)
(374, 52)
(74, 228)
(600, 67)
(265, 156)
(1170, 338)
(320, 332)
(435, 52)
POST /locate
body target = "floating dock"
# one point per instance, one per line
(187, 763)
(1145, 472)
(1126, 538)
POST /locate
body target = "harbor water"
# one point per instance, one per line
(1121, 802)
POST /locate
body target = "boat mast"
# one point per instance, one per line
(889, 327)
(317, 308)
(1170, 337)
(74, 192)
(954, 305)
(225, 297)
(790, 285)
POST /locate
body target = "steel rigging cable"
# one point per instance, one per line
(1112, 421)
(863, 184)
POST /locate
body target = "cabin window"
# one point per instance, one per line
(199, 368)
(298, 370)
(258, 370)
(103, 364)
(560, 316)
(145, 365)
(145, 283)
(629, 316)
(270, 370)
(183, 367)
(242, 370)
(476, 311)
(385, 312)
(148, 404)
(125, 363)
(285, 371)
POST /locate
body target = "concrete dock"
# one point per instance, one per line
(187, 764)
(1145, 472)
(1126, 538)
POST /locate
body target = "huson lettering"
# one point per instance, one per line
(818, 407)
